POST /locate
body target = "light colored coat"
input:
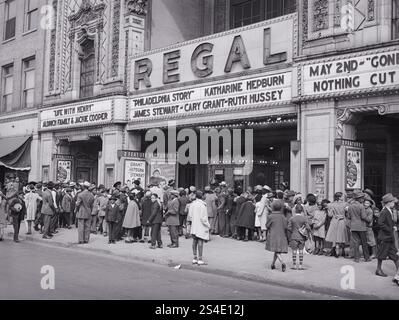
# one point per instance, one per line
(198, 215)
(132, 216)
(31, 199)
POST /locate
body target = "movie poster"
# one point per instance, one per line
(135, 169)
(64, 170)
(354, 169)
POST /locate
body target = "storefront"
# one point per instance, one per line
(79, 141)
(240, 80)
(18, 146)
(359, 94)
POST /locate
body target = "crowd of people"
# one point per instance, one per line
(281, 218)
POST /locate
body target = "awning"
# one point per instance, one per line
(15, 152)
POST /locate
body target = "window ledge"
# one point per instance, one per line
(8, 40)
(29, 32)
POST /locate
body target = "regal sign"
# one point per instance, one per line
(270, 89)
(76, 115)
(346, 75)
(248, 48)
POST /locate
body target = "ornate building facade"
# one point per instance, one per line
(316, 80)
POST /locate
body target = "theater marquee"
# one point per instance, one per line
(365, 72)
(253, 47)
(270, 89)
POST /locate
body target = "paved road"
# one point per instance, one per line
(81, 275)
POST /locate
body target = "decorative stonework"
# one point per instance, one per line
(220, 16)
(138, 7)
(115, 38)
(320, 15)
(370, 10)
(337, 13)
(53, 39)
(305, 22)
(347, 115)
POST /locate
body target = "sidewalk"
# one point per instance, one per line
(247, 260)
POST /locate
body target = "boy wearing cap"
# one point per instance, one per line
(386, 239)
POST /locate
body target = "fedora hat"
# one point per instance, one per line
(358, 194)
(86, 184)
(266, 187)
(174, 192)
(369, 192)
(389, 198)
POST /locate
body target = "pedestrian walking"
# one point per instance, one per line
(155, 220)
(132, 219)
(84, 205)
(298, 230)
(172, 218)
(276, 239)
(111, 218)
(386, 239)
(31, 202)
(358, 220)
(199, 226)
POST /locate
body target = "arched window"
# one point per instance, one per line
(87, 69)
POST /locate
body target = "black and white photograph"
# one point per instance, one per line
(199, 154)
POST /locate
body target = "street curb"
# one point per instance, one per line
(214, 271)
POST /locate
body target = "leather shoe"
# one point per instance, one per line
(380, 273)
(396, 281)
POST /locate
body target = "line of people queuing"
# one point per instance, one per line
(280, 218)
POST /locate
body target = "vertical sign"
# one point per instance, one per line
(64, 169)
(135, 169)
(353, 168)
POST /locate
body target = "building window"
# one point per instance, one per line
(87, 68)
(244, 12)
(10, 19)
(395, 19)
(28, 82)
(31, 14)
(7, 87)
(276, 8)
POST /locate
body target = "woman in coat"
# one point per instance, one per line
(276, 240)
(200, 226)
(146, 206)
(318, 228)
(132, 218)
(31, 202)
(337, 233)
(246, 219)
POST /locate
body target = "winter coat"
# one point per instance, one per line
(31, 202)
(246, 215)
(386, 226)
(48, 203)
(146, 207)
(319, 221)
(183, 200)
(112, 212)
(84, 204)
(132, 216)
(357, 217)
(66, 203)
(295, 223)
(156, 213)
(198, 216)
(276, 240)
(102, 204)
(210, 200)
(172, 215)
(337, 232)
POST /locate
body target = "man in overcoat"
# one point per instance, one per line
(386, 239)
(84, 205)
(172, 218)
(47, 210)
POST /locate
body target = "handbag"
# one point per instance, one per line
(303, 231)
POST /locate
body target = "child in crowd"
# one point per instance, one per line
(111, 216)
(298, 227)
(319, 232)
